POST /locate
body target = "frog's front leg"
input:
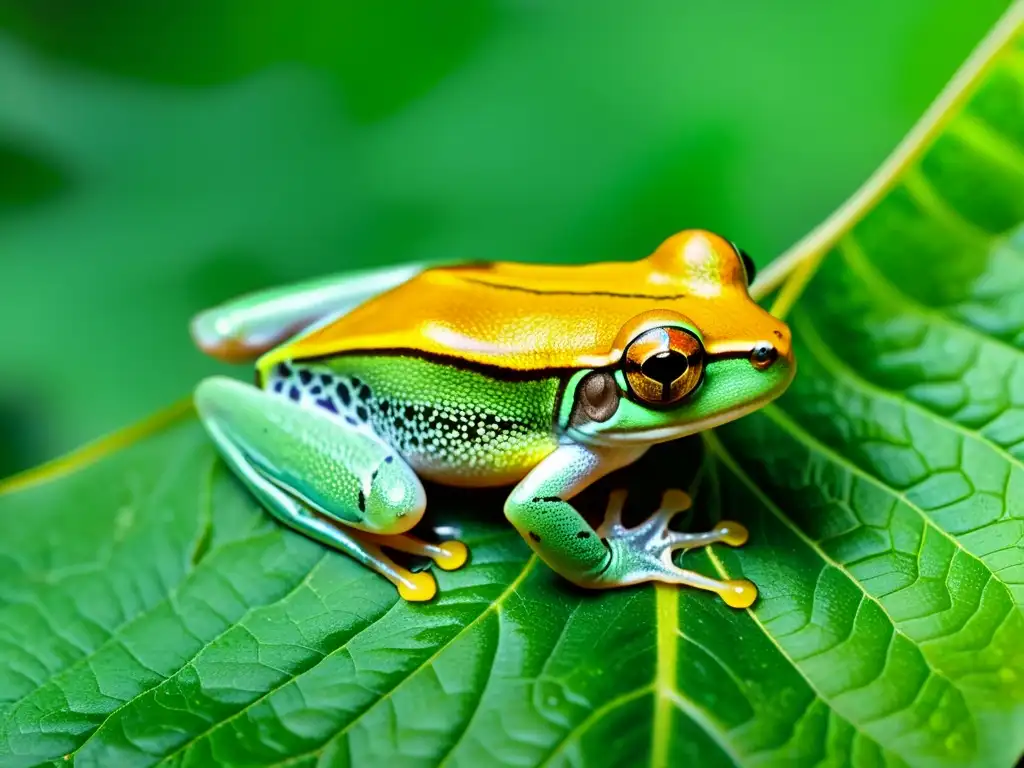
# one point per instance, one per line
(336, 483)
(612, 555)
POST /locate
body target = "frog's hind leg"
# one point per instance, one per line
(246, 327)
(334, 482)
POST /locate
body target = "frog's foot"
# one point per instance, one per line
(448, 555)
(644, 553)
(412, 586)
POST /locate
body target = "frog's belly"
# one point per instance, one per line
(456, 441)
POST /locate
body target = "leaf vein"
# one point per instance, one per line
(493, 606)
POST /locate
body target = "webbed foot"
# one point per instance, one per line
(644, 552)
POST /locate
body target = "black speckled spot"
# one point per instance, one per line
(356, 383)
(410, 412)
(535, 537)
(399, 423)
(384, 407)
(388, 459)
(361, 413)
(344, 394)
(583, 535)
(305, 376)
(414, 441)
(294, 393)
(546, 498)
(328, 404)
(283, 370)
(316, 390)
(364, 392)
(278, 385)
(362, 501)
(326, 379)
(351, 421)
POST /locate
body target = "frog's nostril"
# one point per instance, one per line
(763, 355)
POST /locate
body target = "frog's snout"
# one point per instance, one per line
(775, 351)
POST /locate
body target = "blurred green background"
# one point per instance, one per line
(158, 157)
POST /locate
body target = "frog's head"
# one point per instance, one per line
(678, 374)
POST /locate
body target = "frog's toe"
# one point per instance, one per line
(738, 593)
(448, 555)
(451, 555)
(612, 527)
(416, 587)
(674, 501)
(732, 533)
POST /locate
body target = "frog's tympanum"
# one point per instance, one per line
(484, 374)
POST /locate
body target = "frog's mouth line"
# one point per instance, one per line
(674, 432)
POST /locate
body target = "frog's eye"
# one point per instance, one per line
(664, 365)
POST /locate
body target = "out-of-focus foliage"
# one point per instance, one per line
(157, 157)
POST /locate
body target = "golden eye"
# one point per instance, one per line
(664, 365)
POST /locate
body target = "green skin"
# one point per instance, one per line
(332, 469)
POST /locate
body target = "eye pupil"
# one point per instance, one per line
(665, 367)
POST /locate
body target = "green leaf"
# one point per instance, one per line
(151, 613)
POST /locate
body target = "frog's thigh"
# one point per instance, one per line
(539, 509)
(323, 478)
(246, 327)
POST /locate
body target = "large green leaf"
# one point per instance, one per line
(151, 613)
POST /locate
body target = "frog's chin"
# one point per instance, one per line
(671, 432)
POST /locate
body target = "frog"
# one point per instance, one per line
(543, 378)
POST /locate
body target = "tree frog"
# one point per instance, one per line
(484, 374)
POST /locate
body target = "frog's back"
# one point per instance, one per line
(531, 318)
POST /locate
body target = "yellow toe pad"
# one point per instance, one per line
(738, 593)
(734, 534)
(453, 555)
(417, 587)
